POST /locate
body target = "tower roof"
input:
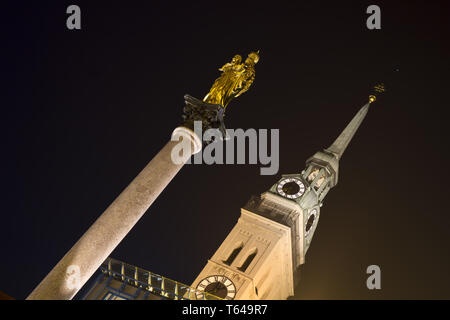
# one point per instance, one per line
(340, 144)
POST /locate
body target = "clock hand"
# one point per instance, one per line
(216, 287)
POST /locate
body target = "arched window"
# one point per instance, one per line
(248, 261)
(234, 254)
(313, 177)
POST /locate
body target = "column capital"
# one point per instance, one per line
(187, 133)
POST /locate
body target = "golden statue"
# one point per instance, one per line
(236, 78)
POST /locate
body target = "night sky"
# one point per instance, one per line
(84, 111)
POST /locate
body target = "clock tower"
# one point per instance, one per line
(261, 256)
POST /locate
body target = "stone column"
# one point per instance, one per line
(86, 256)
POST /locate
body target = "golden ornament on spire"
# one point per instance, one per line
(236, 78)
(378, 89)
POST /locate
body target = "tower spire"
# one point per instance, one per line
(340, 144)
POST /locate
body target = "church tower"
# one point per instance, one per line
(261, 256)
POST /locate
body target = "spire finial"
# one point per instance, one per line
(376, 90)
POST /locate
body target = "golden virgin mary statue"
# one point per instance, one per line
(236, 78)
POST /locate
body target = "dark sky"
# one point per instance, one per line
(84, 111)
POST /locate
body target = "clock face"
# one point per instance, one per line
(291, 188)
(311, 219)
(219, 286)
